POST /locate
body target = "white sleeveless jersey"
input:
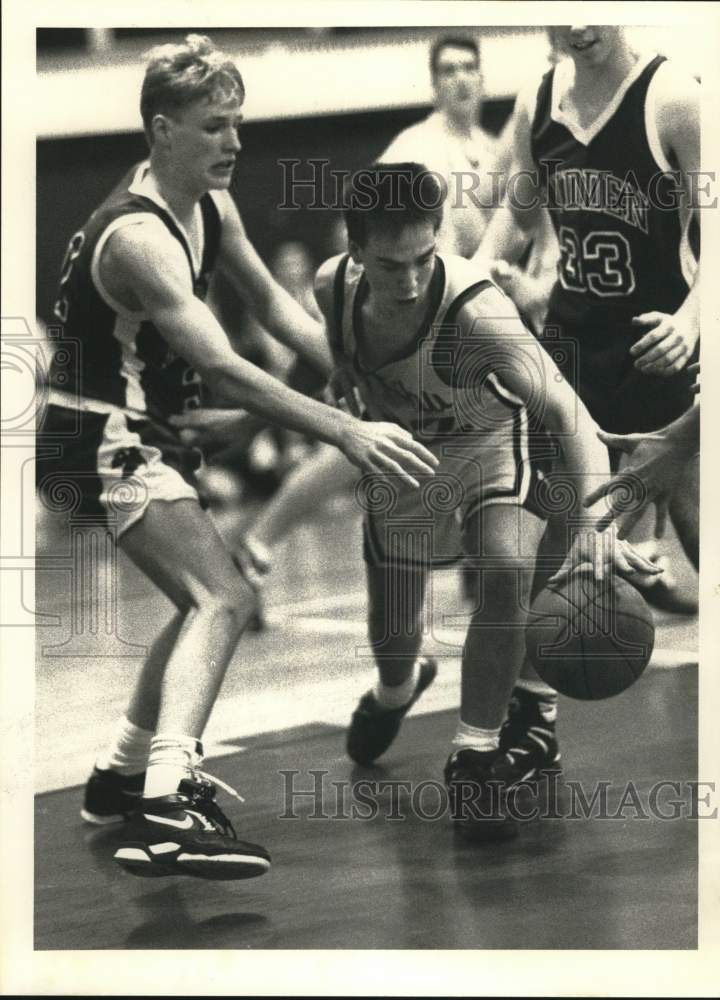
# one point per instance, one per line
(427, 388)
(452, 401)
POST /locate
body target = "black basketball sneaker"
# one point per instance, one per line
(188, 834)
(373, 728)
(478, 784)
(528, 739)
(110, 797)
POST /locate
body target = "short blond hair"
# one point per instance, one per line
(180, 74)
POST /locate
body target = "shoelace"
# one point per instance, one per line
(204, 796)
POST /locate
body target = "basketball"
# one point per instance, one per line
(588, 638)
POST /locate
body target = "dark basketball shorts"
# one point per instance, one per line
(109, 465)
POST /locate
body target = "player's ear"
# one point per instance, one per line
(160, 127)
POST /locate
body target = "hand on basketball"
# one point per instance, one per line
(605, 552)
(386, 448)
(656, 471)
(666, 349)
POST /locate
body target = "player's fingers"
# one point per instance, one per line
(667, 348)
(409, 444)
(676, 353)
(639, 562)
(626, 521)
(563, 573)
(400, 453)
(600, 491)
(385, 464)
(651, 318)
(661, 517)
(606, 520)
(695, 389)
(694, 369)
(649, 340)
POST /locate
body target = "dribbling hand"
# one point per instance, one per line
(606, 553)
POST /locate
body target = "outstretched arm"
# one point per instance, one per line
(491, 326)
(152, 268)
(657, 469)
(273, 307)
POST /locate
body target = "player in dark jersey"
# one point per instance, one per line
(131, 297)
(435, 346)
(610, 140)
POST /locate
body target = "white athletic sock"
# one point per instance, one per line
(172, 758)
(546, 696)
(399, 695)
(128, 753)
(473, 738)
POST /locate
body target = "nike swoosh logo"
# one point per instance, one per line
(181, 824)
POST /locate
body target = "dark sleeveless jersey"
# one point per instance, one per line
(122, 359)
(621, 252)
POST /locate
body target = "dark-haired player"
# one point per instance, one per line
(131, 293)
(436, 347)
(610, 138)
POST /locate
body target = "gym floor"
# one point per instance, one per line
(347, 874)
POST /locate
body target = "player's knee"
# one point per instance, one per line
(498, 554)
(233, 600)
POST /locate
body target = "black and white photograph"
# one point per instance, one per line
(360, 574)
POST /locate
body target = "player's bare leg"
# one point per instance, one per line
(178, 548)
(481, 772)
(144, 705)
(178, 828)
(396, 597)
(506, 539)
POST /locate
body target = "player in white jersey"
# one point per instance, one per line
(132, 292)
(471, 163)
(426, 339)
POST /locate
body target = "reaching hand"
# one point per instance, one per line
(387, 448)
(667, 348)
(604, 551)
(656, 471)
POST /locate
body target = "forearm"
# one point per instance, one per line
(195, 334)
(288, 322)
(237, 383)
